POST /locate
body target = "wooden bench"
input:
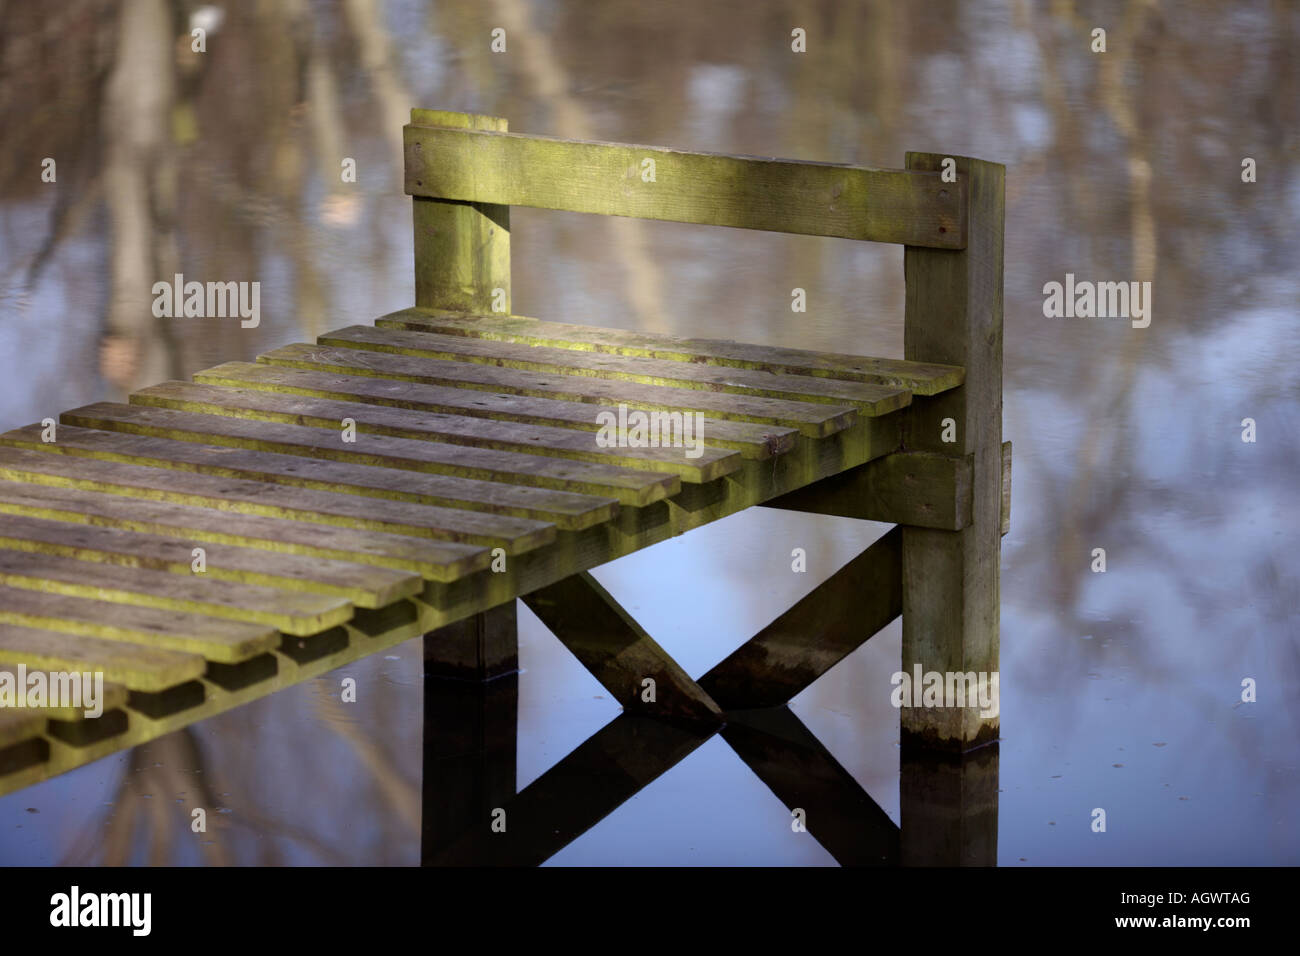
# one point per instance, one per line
(416, 477)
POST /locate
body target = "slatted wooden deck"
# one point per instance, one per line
(475, 473)
(472, 433)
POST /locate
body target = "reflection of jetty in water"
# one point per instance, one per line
(948, 802)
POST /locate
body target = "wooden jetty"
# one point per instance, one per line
(417, 476)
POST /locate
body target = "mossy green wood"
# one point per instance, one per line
(65, 498)
(113, 696)
(462, 249)
(566, 509)
(100, 472)
(710, 463)
(217, 639)
(868, 399)
(289, 611)
(616, 179)
(629, 486)
(635, 529)
(18, 725)
(392, 373)
(364, 585)
(920, 489)
(138, 667)
(369, 632)
(751, 440)
(950, 578)
(916, 377)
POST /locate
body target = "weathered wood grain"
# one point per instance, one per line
(289, 611)
(710, 464)
(462, 249)
(627, 485)
(100, 472)
(950, 578)
(868, 399)
(112, 697)
(363, 585)
(916, 377)
(819, 199)
(921, 489)
(139, 668)
(434, 560)
(217, 639)
(390, 373)
(565, 509)
(751, 440)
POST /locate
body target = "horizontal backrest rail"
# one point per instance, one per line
(911, 207)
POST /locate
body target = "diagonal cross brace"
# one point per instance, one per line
(823, 628)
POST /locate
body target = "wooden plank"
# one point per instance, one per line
(368, 633)
(628, 486)
(139, 668)
(708, 465)
(391, 375)
(480, 647)
(217, 639)
(750, 439)
(363, 585)
(566, 509)
(921, 489)
(617, 650)
(17, 725)
(66, 464)
(744, 192)
(434, 560)
(632, 531)
(462, 249)
(112, 697)
(916, 377)
(823, 628)
(868, 399)
(291, 612)
(1006, 487)
(950, 578)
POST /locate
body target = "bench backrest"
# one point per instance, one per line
(474, 159)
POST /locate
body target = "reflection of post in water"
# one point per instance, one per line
(948, 807)
(471, 697)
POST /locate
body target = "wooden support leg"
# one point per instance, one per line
(618, 651)
(471, 692)
(950, 578)
(462, 249)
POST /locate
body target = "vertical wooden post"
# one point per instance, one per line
(950, 578)
(462, 249)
